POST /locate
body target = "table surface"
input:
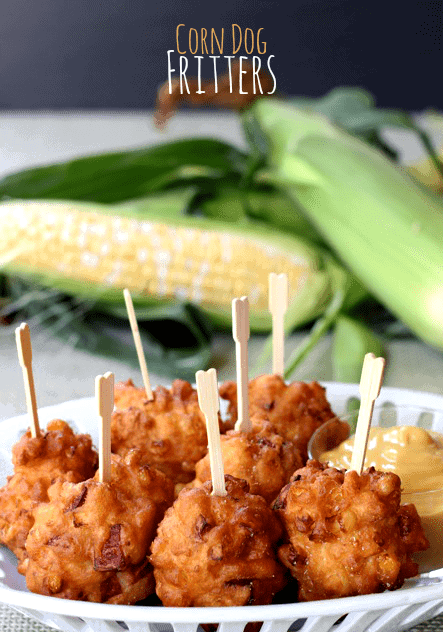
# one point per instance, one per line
(62, 373)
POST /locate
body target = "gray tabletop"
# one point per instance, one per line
(63, 373)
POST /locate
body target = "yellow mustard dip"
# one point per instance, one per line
(415, 454)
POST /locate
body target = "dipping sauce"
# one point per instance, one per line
(413, 453)
(416, 455)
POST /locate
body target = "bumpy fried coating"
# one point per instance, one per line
(411, 530)
(170, 430)
(262, 458)
(295, 410)
(38, 462)
(126, 394)
(91, 541)
(347, 534)
(217, 550)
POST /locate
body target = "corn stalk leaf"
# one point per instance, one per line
(352, 341)
(119, 176)
(262, 203)
(176, 338)
(320, 328)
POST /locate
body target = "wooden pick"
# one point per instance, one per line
(209, 404)
(138, 343)
(278, 304)
(24, 348)
(104, 394)
(370, 384)
(240, 333)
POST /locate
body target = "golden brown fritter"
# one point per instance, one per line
(170, 430)
(91, 541)
(262, 458)
(411, 529)
(217, 550)
(126, 394)
(38, 462)
(347, 534)
(295, 410)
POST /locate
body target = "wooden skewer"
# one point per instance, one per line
(104, 394)
(278, 304)
(138, 343)
(24, 348)
(209, 404)
(240, 333)
(370, 384)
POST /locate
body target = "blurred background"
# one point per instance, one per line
(58, 54)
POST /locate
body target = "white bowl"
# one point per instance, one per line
(420, 598)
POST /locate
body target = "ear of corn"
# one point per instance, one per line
(385, 227)
(94, 251)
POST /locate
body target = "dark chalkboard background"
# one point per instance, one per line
(112, 53)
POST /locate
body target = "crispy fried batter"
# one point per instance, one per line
(262, 458)
(217, 550)
(126, 394)
(38, 462)
(411, 530)
(170, 430)
(347, 534)
(295, 410)
(91, 541)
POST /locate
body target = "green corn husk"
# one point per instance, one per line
(352, 341)
(386, 228)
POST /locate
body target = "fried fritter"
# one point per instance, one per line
(126, 394)
(295, 410)
(170, 430)
(38, 462)
(411, 530)
(262, 458)
(91, 541)
(218, 550)
(347, 534)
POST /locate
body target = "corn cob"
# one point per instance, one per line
(91, 250)
(385, 227)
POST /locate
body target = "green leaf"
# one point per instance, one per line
(274, 207)
(226, 203)
(344, 102)
(262, 203)
(352, 341)
(176, 341)
(377, 118)
(258, 141)
(115, 177)
(338, 102)
(320, 328)
(172, 203)
(176, 337)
